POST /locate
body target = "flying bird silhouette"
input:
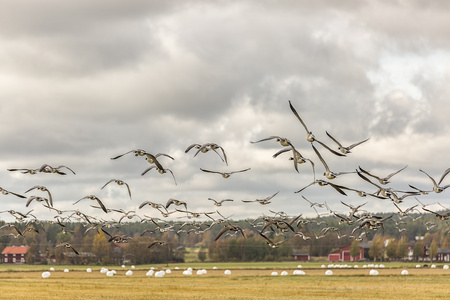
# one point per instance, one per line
(225, 174)
(119, 182)
(345, 150)
(309, 135)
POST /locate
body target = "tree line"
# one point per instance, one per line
(95, 247)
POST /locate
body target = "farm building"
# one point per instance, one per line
(443, 255)
(14, 255)
(301, 256)
(343, 253)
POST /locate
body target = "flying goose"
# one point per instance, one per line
(262, 201)
(119, 182)
(328, 173)
(176, 202)
(423, 192)
(44, 189)
(436, 186)
(225, 174)
(309, 135)
(67, 245)
(296, 157)
(324, 183)
(25, 171)
(399, 199)
(384, 192)
(5, 192)
(219, 203)
(152, 158)
(93, 198)
(38, 199)
(271, 243)
(230, 227)
(346, 150)
(405, 212)
(321, 205)
(136, 152)
(45, 168)
(382, 180)
(14, 227)
(160, 170)
(152, 204)
(205, 148)
(283, 141)
(159, 243)
(442, 217)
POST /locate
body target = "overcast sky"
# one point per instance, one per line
(83, 81)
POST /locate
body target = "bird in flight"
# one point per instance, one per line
(219, 203)
(136, 152)
(382, 180)
(175, 202)
(160, 170)
(5, 192)
(328, 173)
(25, 171)
(345, 150)
(67, 245)
(38, 199)
(44, 189)
(437, 188)
(296, 157)
(159, 243)
(206, 147)
(309, 135)
(442, 217)
(93, 198)
(283, 141)
(225, 174)
(230, 227)
(119, 182)
(45, 168)
(262, 201)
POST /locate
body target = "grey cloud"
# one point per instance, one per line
(83, 83)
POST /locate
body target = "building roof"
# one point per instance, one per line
(361, 245)
(15, 250)
(364, 245)
(443, 251)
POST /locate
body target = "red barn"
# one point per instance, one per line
(443, 255)
(301, 256)
(343, 253)
(14, 255)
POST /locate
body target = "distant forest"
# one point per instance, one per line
(269, 239)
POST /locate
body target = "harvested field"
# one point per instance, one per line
(243, 283)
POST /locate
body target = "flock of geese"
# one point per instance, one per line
(280, 223)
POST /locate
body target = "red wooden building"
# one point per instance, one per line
(443, 255)
(301, 256)
(343, 253)
(14, 255)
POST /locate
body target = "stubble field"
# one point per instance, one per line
(243, 283)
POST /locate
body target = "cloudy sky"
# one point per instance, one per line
(83, 81)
